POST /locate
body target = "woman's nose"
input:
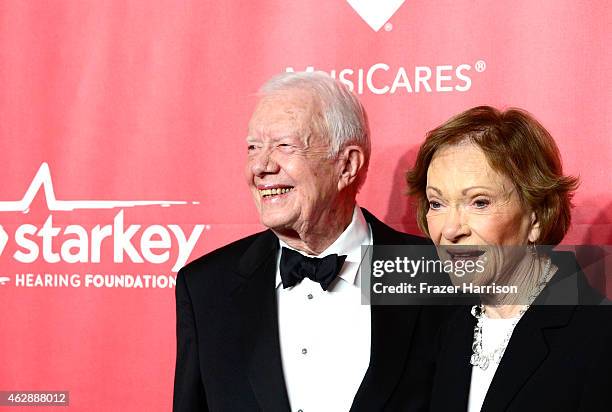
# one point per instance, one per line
(455, 226)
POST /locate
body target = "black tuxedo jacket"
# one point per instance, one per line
(559, 358)
(228, 350)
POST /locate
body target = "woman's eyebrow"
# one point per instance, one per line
(467, 189)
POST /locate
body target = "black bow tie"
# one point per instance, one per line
(294, 267)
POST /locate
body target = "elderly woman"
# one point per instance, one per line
(488, 179)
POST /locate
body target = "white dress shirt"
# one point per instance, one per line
(325, 335)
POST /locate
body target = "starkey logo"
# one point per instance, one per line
(74, 243)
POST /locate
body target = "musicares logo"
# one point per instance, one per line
(375, 13)
(3, 239)
(82, 245)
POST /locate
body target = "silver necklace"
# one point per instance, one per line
(483, 360)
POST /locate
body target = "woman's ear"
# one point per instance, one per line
(534, 229)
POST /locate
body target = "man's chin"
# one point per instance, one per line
(277, 223)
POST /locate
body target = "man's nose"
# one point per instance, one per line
(456, 226)
(263, 163)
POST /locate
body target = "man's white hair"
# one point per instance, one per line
(344, 120)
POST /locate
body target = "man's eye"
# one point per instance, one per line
(250, 147)
(285, 147)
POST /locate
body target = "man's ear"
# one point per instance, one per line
(351, 160)
(534, 228)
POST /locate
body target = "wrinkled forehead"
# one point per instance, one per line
(462, 154)
(465, 164)
(281, 110)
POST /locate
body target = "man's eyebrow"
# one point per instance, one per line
(293, 135)
(273, 139)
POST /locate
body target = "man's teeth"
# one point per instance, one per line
(277, 191)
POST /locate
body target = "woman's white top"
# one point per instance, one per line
(494, 331)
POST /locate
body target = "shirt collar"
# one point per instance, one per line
(349, 243)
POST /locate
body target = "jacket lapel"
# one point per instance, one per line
(391, 332)
(528, 347)
(256, 297)
(526, 351)
(453, 369)
(392, 329)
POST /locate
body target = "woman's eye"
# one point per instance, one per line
(481, 203)
(433, 205)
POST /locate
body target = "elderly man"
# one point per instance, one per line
(274, 321)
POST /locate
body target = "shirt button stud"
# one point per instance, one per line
(310, 296)
(304, 351)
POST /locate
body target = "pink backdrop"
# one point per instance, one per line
(122, 129)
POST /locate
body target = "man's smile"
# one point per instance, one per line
(270, 191)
